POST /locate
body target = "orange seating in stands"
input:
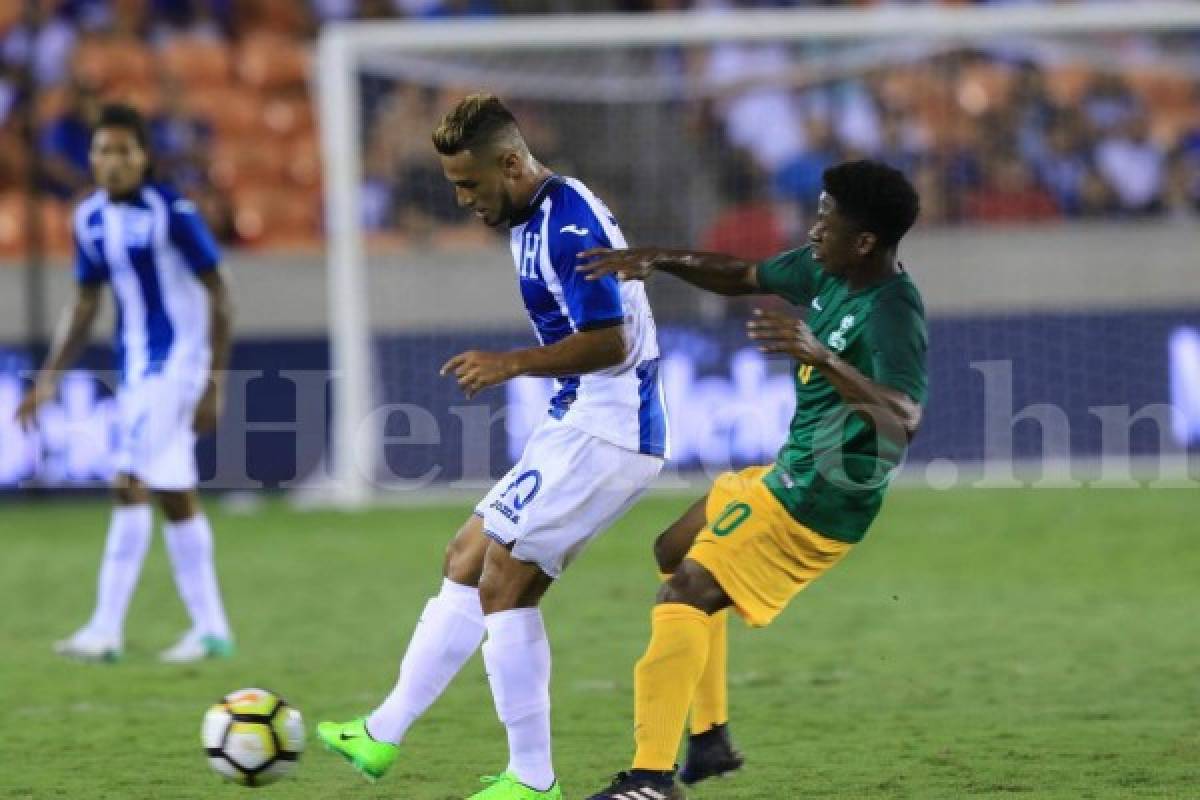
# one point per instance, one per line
(104, 62)
(267, 62)
(1162, 89)
(1068, 82)
(144, 97)
(232, 111)
(304, 161)
(14, 232)
(197, 62)
(245, 163)
(50, 104)
(14, 164)
(288, 114)
(272, 216)
(287, 17)
(10, 14)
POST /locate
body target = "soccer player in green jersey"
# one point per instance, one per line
(763, 534)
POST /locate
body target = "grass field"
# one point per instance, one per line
(979, 644)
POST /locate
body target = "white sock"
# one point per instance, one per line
(190, 546)
(129, 532)
(517, 656)
(449, 631)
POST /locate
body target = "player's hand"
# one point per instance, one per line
(634, 264)
(784, 334)
(37, 396)
(208, 410)
(476, 370)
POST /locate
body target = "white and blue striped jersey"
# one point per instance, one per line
(623, 404)
(151, 248)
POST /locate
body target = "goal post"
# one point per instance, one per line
(346, 49)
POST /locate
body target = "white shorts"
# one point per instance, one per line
(567, 488)
(156, 441)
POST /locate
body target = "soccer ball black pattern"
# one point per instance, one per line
(253, 737)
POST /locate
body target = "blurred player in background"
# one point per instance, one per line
(602, 443)
(764, 534)
(172, 341)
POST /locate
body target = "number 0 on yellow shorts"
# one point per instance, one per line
(757, 552)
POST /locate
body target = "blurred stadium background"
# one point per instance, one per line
(1060, 177)
(980, 643)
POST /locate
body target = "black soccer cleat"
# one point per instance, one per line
(640, 784)
(710, 755)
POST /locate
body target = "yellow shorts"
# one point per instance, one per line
(758, 553)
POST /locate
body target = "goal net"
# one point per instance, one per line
(1056, 150)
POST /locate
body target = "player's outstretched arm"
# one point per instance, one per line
(578, 354)
(220, 341)
(893, 413)
(713, 272)
(70, 336)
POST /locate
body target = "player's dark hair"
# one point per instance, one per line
(478, 121)
(119, 115)
(879, 198)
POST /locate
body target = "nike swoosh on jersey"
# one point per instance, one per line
(573, 229)
(816, 303)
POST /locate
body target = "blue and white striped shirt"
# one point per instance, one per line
(151, 248)
(623, 404)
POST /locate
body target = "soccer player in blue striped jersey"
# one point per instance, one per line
(603, 441)
(152, 249)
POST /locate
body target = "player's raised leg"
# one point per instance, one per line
(449, 631)
(189, 539)
(710, 750)
(129, 532)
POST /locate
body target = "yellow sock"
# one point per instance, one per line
(665, 680)
(710, 706)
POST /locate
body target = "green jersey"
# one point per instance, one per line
(832, 472)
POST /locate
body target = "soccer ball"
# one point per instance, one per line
(253, 737)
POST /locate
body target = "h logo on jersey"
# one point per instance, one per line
(529, 256)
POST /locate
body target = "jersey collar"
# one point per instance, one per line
(527, 214)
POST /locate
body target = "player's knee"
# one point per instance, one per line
(693, 586)
(463, 564)
(497, 594)
(129, 491)
(178, 506)
(666, 556)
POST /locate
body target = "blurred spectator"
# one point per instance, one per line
(1009, 194)
(431, 9)
(800, 178)
(180, 142)
(65, 143)
(1064, 167)
(748, 226)
(1135, 166)
(1109, 104)
(758, 114)
(10, 91)
(1184, 183)
(48, 52)
(1033, 111)
(900, 143)
(203, 18)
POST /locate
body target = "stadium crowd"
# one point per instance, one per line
(988, 138)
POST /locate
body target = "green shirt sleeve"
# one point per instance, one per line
(899, 340)
(791, 275)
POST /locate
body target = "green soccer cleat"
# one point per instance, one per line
(507, 787)
(352, 742)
